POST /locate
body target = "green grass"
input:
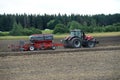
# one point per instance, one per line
(104, 34)
(4, 33)
(61, 35)
(13, 37)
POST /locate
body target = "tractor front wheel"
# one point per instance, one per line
(91, 43)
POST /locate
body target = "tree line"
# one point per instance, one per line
(50, 21)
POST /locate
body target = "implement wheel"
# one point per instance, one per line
(31, 48)
(53, 47)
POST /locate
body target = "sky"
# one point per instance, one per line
(83, 7)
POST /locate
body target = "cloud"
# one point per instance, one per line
(60, 6)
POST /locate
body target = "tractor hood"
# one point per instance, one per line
(88, 37)
(91, 38)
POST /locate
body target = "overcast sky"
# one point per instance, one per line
(89, 7)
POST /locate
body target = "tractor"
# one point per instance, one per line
(78, 39)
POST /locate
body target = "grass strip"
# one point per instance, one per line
(104, 34)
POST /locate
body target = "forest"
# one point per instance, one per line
(45, 21)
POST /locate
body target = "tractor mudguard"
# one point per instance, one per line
(70, 38)
(69, 42)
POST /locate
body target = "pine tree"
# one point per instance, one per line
(17, 29)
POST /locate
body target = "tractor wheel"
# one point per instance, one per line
(53, 47)
(31, 48)
(76, 43)
(91, 43)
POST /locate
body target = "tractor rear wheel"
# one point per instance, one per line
(31, 48)
(75, 43)
(91, 43)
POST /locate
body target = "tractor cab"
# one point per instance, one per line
(77, 33)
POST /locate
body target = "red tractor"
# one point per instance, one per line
(78, 38)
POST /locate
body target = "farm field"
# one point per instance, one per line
(92, 65)
(79, 65)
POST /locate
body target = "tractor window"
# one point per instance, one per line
(73, 33)
(76, 33)
(79, 34)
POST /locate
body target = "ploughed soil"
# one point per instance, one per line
(92, 65)
(86, 65)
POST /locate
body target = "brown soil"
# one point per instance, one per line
(84, 64)
(93, 65)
